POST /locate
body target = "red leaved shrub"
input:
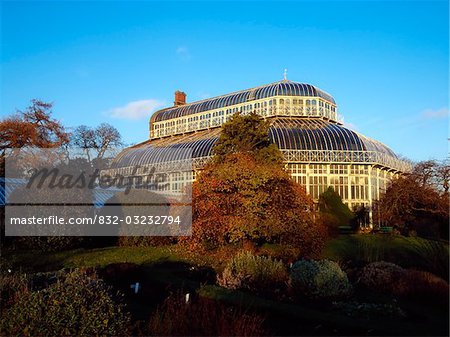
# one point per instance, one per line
(422, 286)
(202, 317)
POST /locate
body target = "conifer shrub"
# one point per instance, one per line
(319, 280)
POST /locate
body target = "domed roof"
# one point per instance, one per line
(304, 134)
(281, 88)
(317, 134)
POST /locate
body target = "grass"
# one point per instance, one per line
(168, 268)
(408, 252)
(100, 257)
(30, 261)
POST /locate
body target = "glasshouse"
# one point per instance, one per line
(318, 149)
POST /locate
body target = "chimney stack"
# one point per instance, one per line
(180, 98)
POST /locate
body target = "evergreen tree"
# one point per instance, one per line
(247, 134)
(333, 212)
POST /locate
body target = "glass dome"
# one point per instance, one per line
(281, 88)
(301, 134)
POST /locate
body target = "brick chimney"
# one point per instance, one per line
(180, 98)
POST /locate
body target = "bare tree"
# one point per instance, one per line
(433, 173)
(424, 172)
(83, 137)
(98, 140)
(107, 137)
(443, 175)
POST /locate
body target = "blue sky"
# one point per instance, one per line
(386, 63)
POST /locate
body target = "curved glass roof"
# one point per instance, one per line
(194, 145)
(287, 133)
(317, 134)
(282, 88)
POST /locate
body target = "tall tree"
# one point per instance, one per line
(32, 127)
(443, 175)
(98, 140)
(432, 173)
(83, 137)
(333, 212)
(424, 172)
(107, 137)
(245, 194)
(411, 205)
(247, 134)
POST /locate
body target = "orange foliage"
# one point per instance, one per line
(32, 127)
(242, 199)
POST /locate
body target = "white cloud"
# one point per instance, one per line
(137, 109)
(435, 114)
(183, 53)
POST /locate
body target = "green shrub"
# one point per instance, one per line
(380, 276)
(255, 273)
(78, 304)
(333, 212)
(321, 279)
(202, 317)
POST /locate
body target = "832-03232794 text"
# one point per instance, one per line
(98, 219)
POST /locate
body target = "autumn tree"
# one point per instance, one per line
(29, 128)
(244, 194)
(32, 127)
(417, 202)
